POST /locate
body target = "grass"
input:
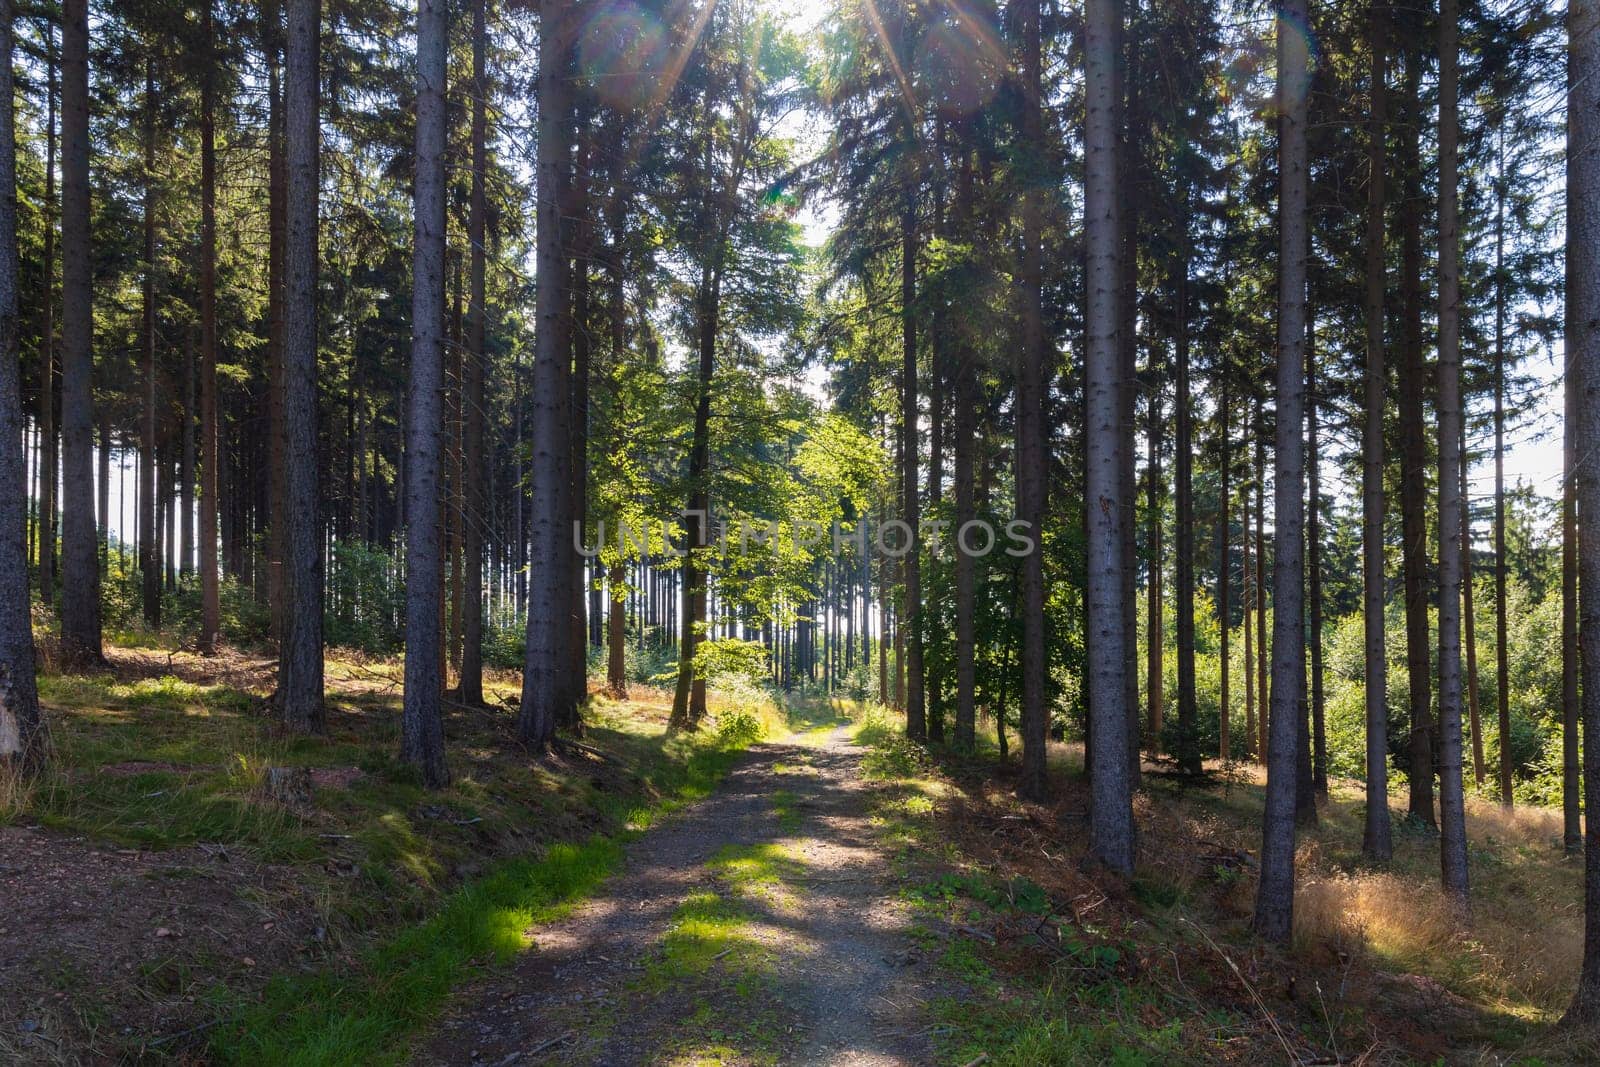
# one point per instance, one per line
(415, 889)
(360, 1017)
(1382, 968)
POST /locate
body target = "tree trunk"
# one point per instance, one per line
(1031, 471)
(276, 587)
(546, 685)
(80, 569)
(1317, 776)
(1377, 842)
(916, 711)
(1572, 704)
(1224, 567)
(616, 635)
(1468, 617)
(1155, 636)
(1583, 360)
(300, 651)
(210, 598)
(21, 735)
(149, 559)
(48, 475)
(422, 729)
(1188, 754)
(1413, 451)
(1452, 801)
(689, 700)
(966, 434)
(469, 688)
(1111, 827)
(1275, 900)
(1263, 708)
(1502, 654)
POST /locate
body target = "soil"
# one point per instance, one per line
(841, 982)
(110, 951)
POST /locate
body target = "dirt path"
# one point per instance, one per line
(757, 927)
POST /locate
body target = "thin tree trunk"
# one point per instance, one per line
(1502, 654)
(300, 652)
(469, 688)
(1319, 734)
(1031, 472)
(21, 735)
(966, 433)
(1583, 362)
(1468, 618)
(916, 711)
(149, 560)
(1224, 568)
(1377, 841)
(422, 729)
(1452, 801)
(1189, 761)
(1413, 475)
(80, 569)
(1263, 706)
(276, 588)
(1573, 707)
(48, 475)
(1155, 636)
(210, 597)
(1111, 826)
(1275, 900)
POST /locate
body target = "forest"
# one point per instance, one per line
(860, 532)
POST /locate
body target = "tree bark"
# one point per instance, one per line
(1312, 744)
(421, 722)
(1502, 654)
(80, 568)
(1031, 481)
(48, 454)
(21, 732)
(1224, 566)
(1468, 617)
(469, 688)
(1111, 827)
(1452, 801)
(546, 685)
(1275, 899)
(1155, 635)
(1318, 776)
(1189, 761)
(916, 710)
(300, 651)
(1583, 361)
(210, 595)
(1413, 451)
(1377, 841)
(149, 558)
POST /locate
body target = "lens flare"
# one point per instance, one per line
(624, 54)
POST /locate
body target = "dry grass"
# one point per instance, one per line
(1520, 951)
(17, 787)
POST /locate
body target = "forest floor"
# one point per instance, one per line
(761, 926)
(163, 902)
(789, 886)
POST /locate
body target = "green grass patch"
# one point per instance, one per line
(355, 1018)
